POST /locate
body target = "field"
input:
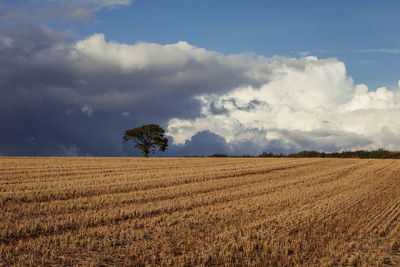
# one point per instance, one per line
(199, 211)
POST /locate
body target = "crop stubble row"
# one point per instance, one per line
(160, 211)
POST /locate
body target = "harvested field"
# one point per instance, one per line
(199, 211)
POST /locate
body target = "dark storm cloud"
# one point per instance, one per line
(62, 97)
(204, 143)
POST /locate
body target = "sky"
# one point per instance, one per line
(233, 77)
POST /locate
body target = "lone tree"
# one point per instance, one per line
(147, 137)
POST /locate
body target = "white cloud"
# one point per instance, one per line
(145, 71)
(304, 53)
(7, 42)
(178, 59)
(93, 5)
(380, 50)
(308, 103)
(68, 151)
(125, 114)
(112, 3)
(81, 14)
(50, 11)
(88, 110)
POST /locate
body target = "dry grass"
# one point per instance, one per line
(199, 211)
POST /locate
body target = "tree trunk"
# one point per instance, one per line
(145, 153)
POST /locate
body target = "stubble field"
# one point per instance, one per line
(199, 211)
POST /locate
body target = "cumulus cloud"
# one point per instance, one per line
(110, 74)
(243, 103)
(173, 62)
(308, 103)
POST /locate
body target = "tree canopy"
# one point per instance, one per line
(147, 138)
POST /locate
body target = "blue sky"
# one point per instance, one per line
(235, 77)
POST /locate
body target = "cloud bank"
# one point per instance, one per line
(66, 97)
(308, 103)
